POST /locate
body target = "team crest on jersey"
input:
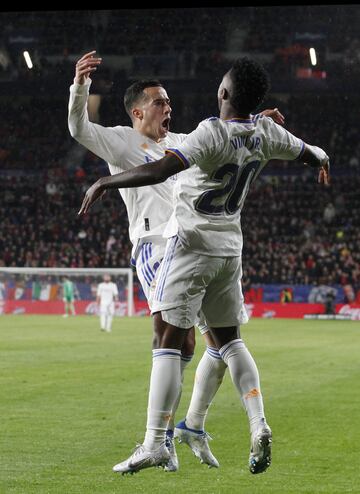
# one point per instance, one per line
(144, 146)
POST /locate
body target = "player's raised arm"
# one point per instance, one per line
(148, 174)
(87, 64)
(105, 142)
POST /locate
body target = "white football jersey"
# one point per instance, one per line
(209, 197)
(124, 148)
(106, 292)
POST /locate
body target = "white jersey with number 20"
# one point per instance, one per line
(229, 155)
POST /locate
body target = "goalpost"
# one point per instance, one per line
(23, 289)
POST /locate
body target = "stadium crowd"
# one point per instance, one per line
(294, 232)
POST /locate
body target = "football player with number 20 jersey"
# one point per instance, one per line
(201, 268)
(149, 210)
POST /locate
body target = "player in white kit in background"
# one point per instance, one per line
(201, 269)
(106, 295)
(149, 210)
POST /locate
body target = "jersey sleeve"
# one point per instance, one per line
(282, 144)
(106, 142)
(115, 290)
(198, 147)
(98, 291)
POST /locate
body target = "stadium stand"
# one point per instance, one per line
(296, 234)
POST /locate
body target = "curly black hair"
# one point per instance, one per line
(135, 92)
(251, 83)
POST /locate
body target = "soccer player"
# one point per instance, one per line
(201, 268)
(106, 296)
(149, 209)
(68, 296)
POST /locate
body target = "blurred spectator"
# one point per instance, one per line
(286, 295)
(322, 293)
(303, 233)
(329, 302)
(329, 212)
(349, 294)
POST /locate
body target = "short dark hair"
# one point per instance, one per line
(136, 91)
(251, 83)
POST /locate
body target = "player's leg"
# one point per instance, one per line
(208, 378)
(72, 307)
(109, 317)
(66, 307)
(147, 258)
(187, 352)
(245, 376)
(108, 323)
(242, 367)
(102, 317)
(165, 383)
(165, 379)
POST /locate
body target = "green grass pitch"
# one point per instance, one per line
(73, 403)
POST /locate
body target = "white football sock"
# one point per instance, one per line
(108, 323)
(208, 377)
(245, 376)
(103, 321)
(165, 384)
(185, 361)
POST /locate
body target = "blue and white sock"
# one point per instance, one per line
(245, 376)
(208, 377)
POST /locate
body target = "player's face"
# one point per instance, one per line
(156, 112)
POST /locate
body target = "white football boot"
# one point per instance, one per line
(173, 463)
(198, 442)
(260, 452)
(141, 458)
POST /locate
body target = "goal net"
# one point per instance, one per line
(41, 290)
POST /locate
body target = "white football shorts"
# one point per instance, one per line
(107, 309)
(147, 257)
(188, 283)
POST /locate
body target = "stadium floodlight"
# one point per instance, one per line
(312, 54)
(28, 59)
(24, 287)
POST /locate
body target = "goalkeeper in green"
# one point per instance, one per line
(68, 296)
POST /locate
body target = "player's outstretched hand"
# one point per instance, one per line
(93, 193)
(324, 174)
(275, 115)
(87, 64)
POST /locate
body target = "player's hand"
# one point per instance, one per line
(95, 192)
(275, 115)
(324, 174)
(87, 64)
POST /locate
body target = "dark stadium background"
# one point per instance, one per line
(297, 234)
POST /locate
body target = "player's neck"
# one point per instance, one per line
(227, 112)
(233, 116)
(146, 133)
